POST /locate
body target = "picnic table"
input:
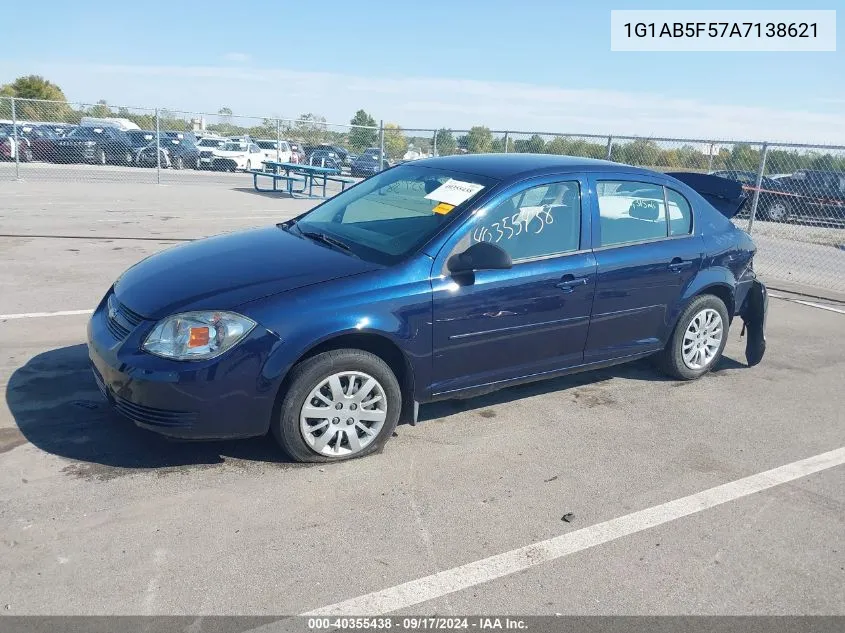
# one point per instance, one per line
(307, 176)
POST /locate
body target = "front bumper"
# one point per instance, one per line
(226, 397)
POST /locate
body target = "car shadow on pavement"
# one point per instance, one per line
(586, 386)
(58, 408)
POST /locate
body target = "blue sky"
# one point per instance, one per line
(529, 65)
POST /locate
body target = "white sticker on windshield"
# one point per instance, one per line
(454, 192)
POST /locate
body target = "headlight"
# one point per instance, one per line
(197, 335)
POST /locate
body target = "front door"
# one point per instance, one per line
(532, 318)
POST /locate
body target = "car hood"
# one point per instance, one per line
(222, 272)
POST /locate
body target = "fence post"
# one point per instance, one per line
(381, 144)
(15, 139)
(278, 139)
(609, 149)
(434, 144)
(506, 141)
(158, 149)
(710, 159)
(757, 184)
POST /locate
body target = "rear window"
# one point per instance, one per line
(267, 144)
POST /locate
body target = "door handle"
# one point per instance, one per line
(569, 283)
(678, 264)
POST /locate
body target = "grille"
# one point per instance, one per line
(154, 417)
(120, 320)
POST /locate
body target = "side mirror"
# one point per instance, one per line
(480, 256)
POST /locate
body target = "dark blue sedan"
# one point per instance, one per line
(441, 278)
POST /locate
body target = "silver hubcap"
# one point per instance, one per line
(702, 339)
(777, 211)
(343, 414)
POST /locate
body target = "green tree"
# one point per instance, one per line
(395, 141)
(36, 87)
(445, 143)
(310, 129)
(360, 138)
(535, 145)
(743, 157)
(101, 109)
(479, 140)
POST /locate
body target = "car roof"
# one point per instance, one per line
(512, 166)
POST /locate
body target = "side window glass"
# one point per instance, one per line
(680, 213)
(630, 212)
(540, 221)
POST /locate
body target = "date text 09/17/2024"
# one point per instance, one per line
(422, 623)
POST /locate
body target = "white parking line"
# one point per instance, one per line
(481, 571)
(821, 306)
(38, 315)
(812, 304)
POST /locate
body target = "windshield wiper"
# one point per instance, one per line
(328, 239)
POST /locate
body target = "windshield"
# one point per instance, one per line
(139, 138)
(86, 132)
(212, 142)
(234, 147)
(266, 144)
(388, 216)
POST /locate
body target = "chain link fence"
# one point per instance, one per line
(796, 208)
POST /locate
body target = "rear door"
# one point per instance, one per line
(645, 258)
(532, 318)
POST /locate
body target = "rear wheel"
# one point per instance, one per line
(102, 158)
(698, 340)
(127, 158)
(339, 405)
(248, 165)
(26, 155)
(178, 163)
(777, 211)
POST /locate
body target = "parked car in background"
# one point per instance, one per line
(174, 153)
(87, 144)
(275, 150)
(340, 153)
(370, 161)
(10, 148)
(326, 158)
(42, 141)
(206, 147)
(237, 155)
(438, 279)
(817, 196)
(806, 194)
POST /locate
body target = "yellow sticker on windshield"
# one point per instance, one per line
(443, 208)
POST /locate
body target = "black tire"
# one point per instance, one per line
(127, 158)
(101, 157)
(26, 155)
(777, 210)
(307, 375)
(197, 164)
(248, 165)
(178, 163)
(671, 361)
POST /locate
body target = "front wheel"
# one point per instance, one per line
(102, 158)
(248, 165)
(339, 405)
(698, 340)
(178, 163)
